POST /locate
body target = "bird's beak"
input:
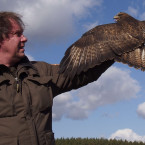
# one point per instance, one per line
(116, 18)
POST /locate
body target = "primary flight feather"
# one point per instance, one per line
(122, 41)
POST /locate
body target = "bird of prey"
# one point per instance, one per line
(122, 41)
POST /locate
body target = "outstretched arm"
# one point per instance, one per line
(63, 84)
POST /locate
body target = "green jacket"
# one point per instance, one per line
(26, 99)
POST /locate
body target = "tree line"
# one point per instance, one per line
(94, 141)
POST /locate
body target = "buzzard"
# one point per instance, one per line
(122, 41)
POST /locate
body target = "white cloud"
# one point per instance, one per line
(61, 104)
(91, 25)
(115, 85)
(30, 57)
(50, 20)
(133, 11)
(142, 16)
(127, 134)
(141, 110)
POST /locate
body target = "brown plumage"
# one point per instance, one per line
(122, 41)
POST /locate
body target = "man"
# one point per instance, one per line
(27, 88)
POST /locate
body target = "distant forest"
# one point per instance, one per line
(94, 141)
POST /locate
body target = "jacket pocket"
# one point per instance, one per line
(39, 91)
(8, 141)
(40, 80)
(46, 138)
(6, 98)
(49, 137)
(24, 140)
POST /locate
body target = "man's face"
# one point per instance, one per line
(13, 47)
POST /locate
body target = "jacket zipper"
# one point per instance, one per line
(17, 84)
(17, 90)
(29, 116)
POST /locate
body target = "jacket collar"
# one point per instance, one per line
(26, 66)
(23, 66)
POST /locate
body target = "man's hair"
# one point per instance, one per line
(5, 23)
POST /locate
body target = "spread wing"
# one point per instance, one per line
(135, 58)
(100, 44)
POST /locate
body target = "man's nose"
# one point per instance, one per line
(24, 38)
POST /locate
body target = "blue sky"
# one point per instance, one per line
(113, 106)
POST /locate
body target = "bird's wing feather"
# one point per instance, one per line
(135, 58)
(102, 43)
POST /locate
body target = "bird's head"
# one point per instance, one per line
(120, 16)
(124, 17)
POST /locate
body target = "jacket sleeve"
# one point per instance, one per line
(61, 84)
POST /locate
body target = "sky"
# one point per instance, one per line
(111, 107)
